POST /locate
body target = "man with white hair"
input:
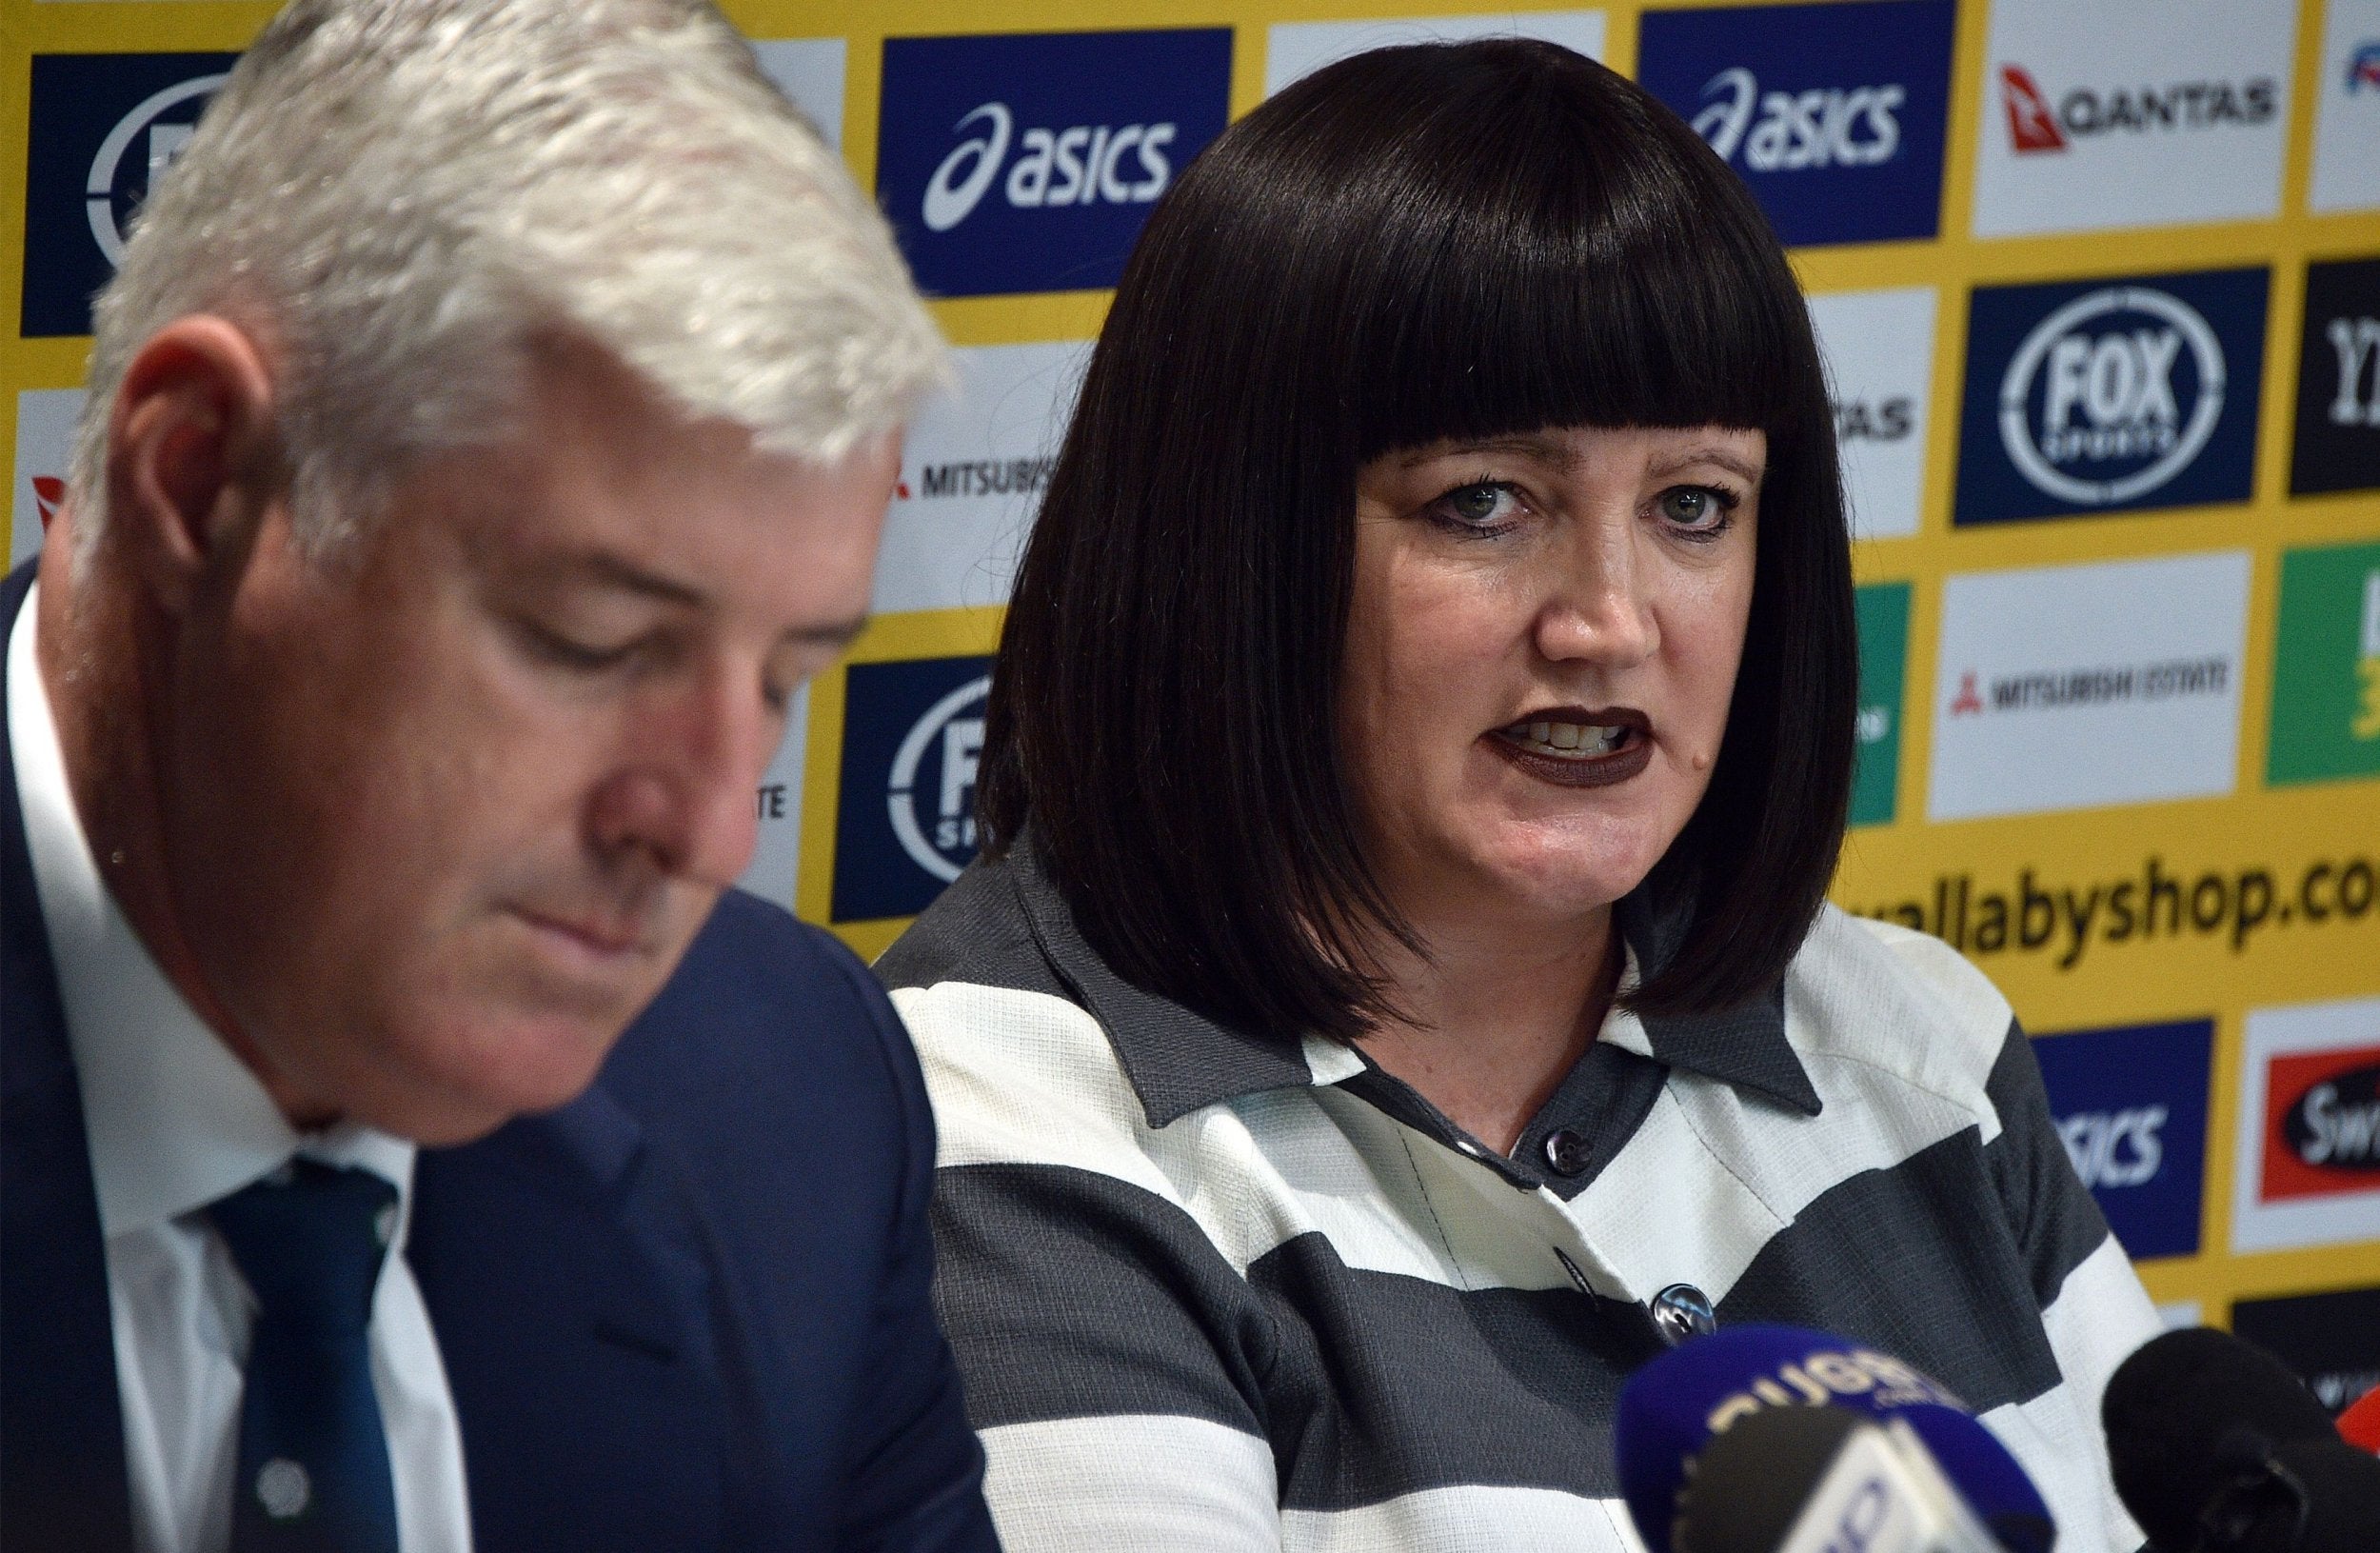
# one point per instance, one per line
(489, 428)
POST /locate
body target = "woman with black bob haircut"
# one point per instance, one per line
(1396, 995)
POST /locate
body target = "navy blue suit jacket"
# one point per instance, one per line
(688, 1310)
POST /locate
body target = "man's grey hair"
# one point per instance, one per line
(401, 198)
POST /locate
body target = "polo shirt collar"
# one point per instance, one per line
(1180, 1062)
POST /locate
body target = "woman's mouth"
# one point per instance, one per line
(1574, 747)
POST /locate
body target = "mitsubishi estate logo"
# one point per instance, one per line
(103, 129)
(2079, 686)
(2092, 407)
(2088, 397)
(913, 735)
(1027, 162)
(1834, 114)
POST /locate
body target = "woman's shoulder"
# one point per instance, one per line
(1888, 999)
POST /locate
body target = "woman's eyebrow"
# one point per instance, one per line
(1749, 470)
(1529, 444)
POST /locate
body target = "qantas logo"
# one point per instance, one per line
(48, 495)
(2035, 125)
(2031, 125)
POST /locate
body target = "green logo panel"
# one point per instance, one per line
(2326, 676)
(1883, 613)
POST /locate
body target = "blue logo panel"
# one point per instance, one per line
(103, 126)
(2110, 395)
(2130, 1103)
(1834, 114)
(1028, 162)
(905, 822)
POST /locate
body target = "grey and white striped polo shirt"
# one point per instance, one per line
(1214, 1292)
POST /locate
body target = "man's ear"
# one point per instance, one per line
(190, 452)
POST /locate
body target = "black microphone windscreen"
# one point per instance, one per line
(2168, 1411)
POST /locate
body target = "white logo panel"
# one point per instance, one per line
(44, 445)
(972, 474)
(1294, 49)
(1879, 361)
(2152, 113)
(2346, 110)
(809, 72)
(2345, 1209)
(2063, 687)
(776, 867)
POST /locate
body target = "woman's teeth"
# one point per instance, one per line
(1567, 741)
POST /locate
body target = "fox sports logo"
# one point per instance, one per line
(931, 790)
(2111, 395)
(136, 153)
(1082, 164)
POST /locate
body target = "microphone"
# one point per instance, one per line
(1673, 1408)
(2216, 1448)
(2360, 1425)
(1821, 1479)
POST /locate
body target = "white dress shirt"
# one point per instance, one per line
(175, 1122)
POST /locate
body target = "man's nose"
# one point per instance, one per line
(685, 793)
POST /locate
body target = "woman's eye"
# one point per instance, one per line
(1484, 505)
(1703, 508)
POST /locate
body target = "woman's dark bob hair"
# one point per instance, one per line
(1444, 241)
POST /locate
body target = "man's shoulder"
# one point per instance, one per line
(772, 1023)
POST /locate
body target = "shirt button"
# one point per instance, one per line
(1566, 1150)
(1682, 1311)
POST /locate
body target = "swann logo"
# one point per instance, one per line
(2336, 1123)
(105, 128)
(1832, 114)
(931, 796)
(913, 732)
(1076, 166)
(1882, 614)
(2085, 112)
(2323, 1124)
(1823, 127)
(1028, 162)
(2083, 398)
(2131, 1104)
(2308, 1126)
(2094, 390)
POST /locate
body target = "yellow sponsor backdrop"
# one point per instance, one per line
(2178, 976)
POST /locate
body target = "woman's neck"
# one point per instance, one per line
(1493, 1019)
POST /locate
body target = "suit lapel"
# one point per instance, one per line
(62, 1474)
(568, 1281)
